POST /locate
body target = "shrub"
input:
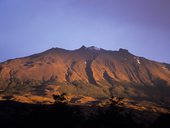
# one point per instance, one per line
(60, 98)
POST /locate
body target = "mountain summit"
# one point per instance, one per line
(91, 47)
(87, 71)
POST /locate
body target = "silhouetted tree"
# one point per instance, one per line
(60, 98)
(116, 100)
(8, 97)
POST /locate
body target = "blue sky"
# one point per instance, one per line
(32, 26)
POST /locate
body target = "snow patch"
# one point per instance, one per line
(137, 60)
(164, 68)
(94, 48)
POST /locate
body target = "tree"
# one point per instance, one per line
(60, 98)
(116, 100)
(8, 97)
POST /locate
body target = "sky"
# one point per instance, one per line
(33, 26)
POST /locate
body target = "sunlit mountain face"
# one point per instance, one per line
(84, 84)
(87, 71)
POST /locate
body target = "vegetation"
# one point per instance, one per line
(116, 100)
(60, 98)
(15, 85)
(8, 97)
(19, 115)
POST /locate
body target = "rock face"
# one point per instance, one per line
(88, 71)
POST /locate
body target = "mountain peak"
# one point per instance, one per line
(90, 48)
(94, 48)
(83, 47)
(123, 50)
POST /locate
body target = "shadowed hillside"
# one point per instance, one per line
(16, 115)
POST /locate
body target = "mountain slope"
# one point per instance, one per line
(87, 71)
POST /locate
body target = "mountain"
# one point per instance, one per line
(87, 71)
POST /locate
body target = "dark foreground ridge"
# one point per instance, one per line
(17, 115)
